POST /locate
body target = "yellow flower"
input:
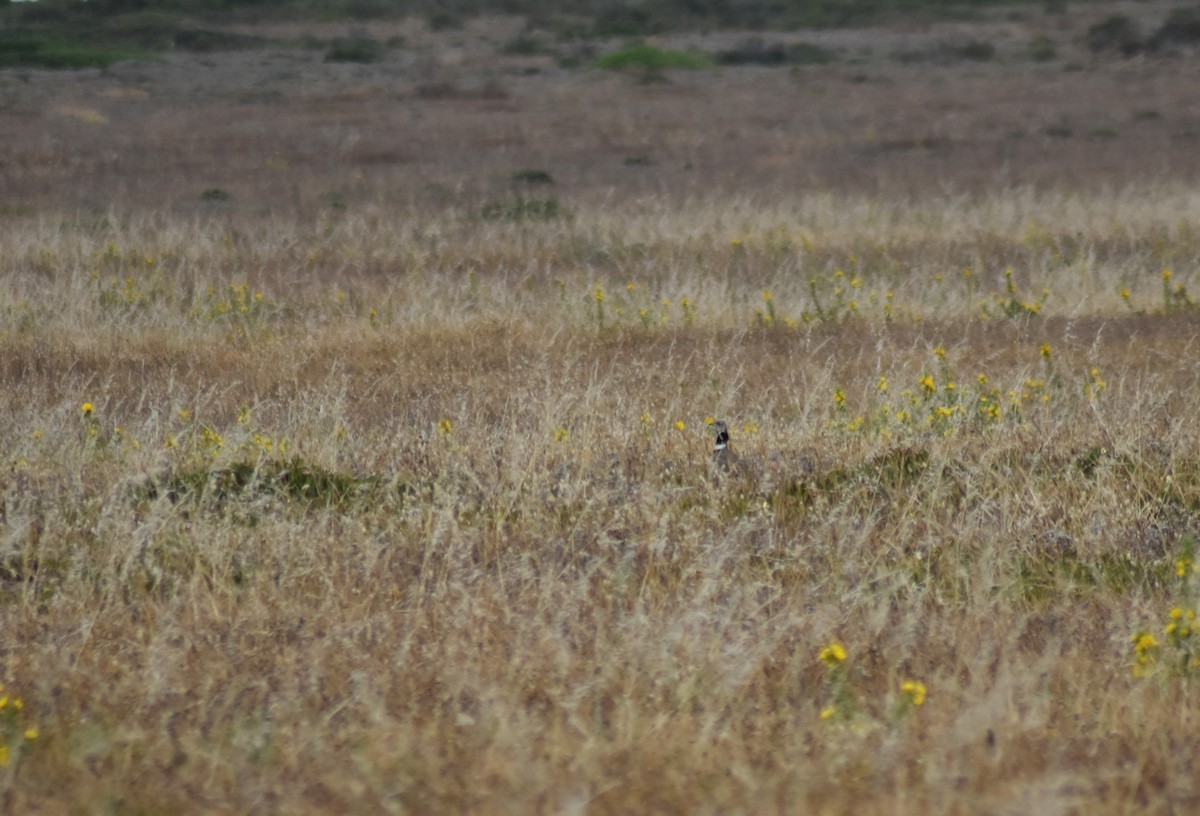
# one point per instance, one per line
(31, 733)
(839, 397)
(1046, 350)
(1166, 275)
(914, 690)
(679, 426)
(1145, 652)
(1176, 613)
(1124, 293)
(444, 427)
(647, 420)
(928, 385)
(828, 712)
(939, 352)
(86, 409)
(882, 385)
(599, 294)
(767, 296)
(833, 654)
(709, 420)
(4, 757)
(561, 435)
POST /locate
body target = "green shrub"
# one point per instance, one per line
(532, 177)
(1182, 27)
(39, 52)
(526, 45)
(622, 20)
(645, 57)
(444, 20)
(977, 50)
(1042, 49)
(756, 51)
(355, 49)
(1117, 33)
(522, 209)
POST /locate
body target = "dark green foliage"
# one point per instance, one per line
(355, 49)
(522, 209)
(1182, 27)
(26, 51)
(977, 50)
(756, 51)
(532, 177)
(649, 58)
(526, 45)
(292, 481)
(587, 18)
(1043, 49)
(1117, 33)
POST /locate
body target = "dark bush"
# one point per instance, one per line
(355, 49)
(206, 41)
(1117, 33)
(1042, 49)
(24, 51)
(625, 21)
(756, 51)
(1182, 27)
(977, 50)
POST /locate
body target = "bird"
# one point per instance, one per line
(723, 457)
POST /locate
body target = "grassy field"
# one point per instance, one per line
(347, 474)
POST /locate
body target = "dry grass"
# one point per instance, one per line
(547, 605)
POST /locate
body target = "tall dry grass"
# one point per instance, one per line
(393, 514)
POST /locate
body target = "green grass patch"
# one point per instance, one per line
(293, 480)
(649, 58)
(29, 51)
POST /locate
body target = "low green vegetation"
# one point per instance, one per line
(651, 59)
(32, 51)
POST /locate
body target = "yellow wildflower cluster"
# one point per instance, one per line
(913, 691)
(1184, 566)
(1145, 653)
(1181, 625)
(1179, 636)
(237, 300)
(833, 654)
(15, 729)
